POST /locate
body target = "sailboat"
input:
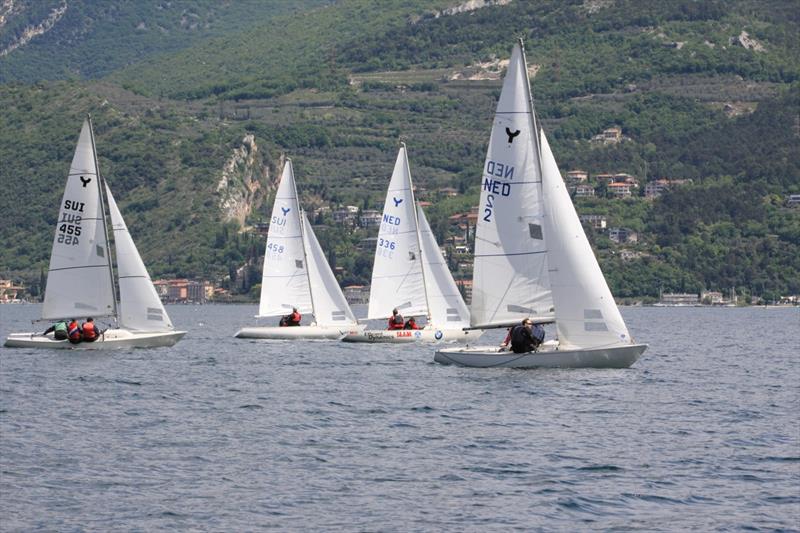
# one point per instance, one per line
(297, 275)
(410, 273)
(81, 281)
(532, 258)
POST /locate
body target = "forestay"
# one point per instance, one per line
(330, 306)
(140, 308)
(447, 307)
(586, 315)
(285, 281)
(397, 273)
(79, 277)
(510, 278)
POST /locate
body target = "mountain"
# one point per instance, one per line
(196, 104)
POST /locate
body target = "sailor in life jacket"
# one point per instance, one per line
(396, 321)
(411, 324)
(74, 332)
(90, 332)
(292, 319)
(59, 330)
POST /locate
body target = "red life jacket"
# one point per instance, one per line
(89, 331)
(396, 322)
(295, 318)
(74, 331)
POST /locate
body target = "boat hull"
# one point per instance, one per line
(491, 357)
(412, 335)
(294, 332)
(112, 339)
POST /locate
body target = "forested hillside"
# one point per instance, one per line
(196, 103)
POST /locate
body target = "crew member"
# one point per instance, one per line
(396, 321)
(294, 318)
(411, 324)
(59, 330)
(90, 332)
(74, 332)
(523, 339)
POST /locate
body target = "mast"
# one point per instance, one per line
(534, 127)
(416, 231)
(301, 216)
(103, 217)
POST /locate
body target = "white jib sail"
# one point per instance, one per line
(510, 280)
(397, 272)
(140, 308)
(285, 281)
(447, 307)
(586, 314)
(79, 279)
(330, 306)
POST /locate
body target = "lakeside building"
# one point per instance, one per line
(679, 299)
(583, 191)
(597, 222)
(183, 291)
(576, 177)
(465, 286)
(356, 294)
(10, 292)
(370, 218)
(623, 235)
(620, 190)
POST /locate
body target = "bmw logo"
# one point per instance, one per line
(418, 334)
(438, 335)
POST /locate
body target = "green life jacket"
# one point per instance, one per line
(61, 326)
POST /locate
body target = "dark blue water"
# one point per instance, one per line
(230, 435)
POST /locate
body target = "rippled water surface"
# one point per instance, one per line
(224, 434)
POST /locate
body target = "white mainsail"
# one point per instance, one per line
(446, 306)
(586, 315)
(140, 308)
(510, 278)
(330, 306)
(397, 277)
(79, 280)
(285, 280)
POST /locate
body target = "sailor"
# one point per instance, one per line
(90, 331)
(59, 330)
(74, 332)
(524, 339)
(396, 321)
(411, 324)
(293, 319)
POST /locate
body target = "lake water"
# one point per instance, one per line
(224, 434)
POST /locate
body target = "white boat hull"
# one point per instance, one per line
(295, 332)
(412, 335)
(112, 339)
(548, 357)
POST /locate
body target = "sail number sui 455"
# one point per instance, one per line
(69, 227)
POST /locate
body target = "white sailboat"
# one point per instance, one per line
(297, 275)
(532, 258)
(80, 280)
(410, 274)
